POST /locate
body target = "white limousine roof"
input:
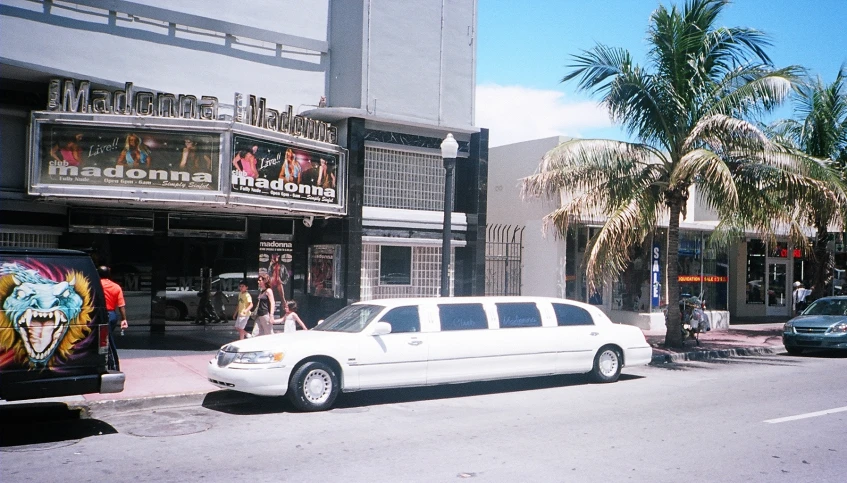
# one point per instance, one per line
(491, 299)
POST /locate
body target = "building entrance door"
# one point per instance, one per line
(777, 289)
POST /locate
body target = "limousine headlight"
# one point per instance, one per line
(258, 357)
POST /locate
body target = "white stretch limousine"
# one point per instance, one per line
(427, 341)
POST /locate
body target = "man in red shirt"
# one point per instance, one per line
(115, 303)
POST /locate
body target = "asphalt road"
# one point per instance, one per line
(765, 418)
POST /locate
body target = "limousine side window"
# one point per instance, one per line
(513, 315)
(403, 319)
(462, 317)
(572, 315)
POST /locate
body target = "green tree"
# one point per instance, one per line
(819, 132)
(688, 110)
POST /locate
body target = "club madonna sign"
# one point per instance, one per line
(68, 96)
(134, 144)
(100, 156)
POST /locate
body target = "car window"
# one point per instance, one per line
(462, 316)
(827, 307)
(403, 319)
(352, 318)
(513, 315)
(572, 315)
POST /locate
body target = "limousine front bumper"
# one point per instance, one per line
(259, 379)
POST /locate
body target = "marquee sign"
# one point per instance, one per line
(103, 156)
(276, 170)
(136, 144)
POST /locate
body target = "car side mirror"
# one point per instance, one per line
(382, 328)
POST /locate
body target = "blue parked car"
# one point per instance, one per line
(823, 325)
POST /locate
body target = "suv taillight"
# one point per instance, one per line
(103, 337)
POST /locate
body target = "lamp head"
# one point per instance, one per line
(449, 147)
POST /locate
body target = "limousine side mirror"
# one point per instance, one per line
(382, 328)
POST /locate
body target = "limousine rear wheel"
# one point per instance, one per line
(607, 365)
(313, 387)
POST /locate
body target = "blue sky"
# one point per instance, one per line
(524, 46)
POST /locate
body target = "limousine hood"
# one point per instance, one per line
(303, 340)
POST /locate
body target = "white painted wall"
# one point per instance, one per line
(86, 47)
(543, 255)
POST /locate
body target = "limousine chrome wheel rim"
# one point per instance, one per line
(608, 362)
(317, 386)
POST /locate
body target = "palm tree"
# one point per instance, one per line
(819, 131)
(687, 109)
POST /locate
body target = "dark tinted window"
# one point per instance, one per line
(403, 319)
(572, 315)
(462, 317)
(395, 265)
(518, 315)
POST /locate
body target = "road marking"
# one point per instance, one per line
(806, 415)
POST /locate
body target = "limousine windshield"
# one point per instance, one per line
(353, 318)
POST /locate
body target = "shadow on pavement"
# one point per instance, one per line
(232, 402)
(44, 425)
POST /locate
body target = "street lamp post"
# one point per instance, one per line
(449, 149)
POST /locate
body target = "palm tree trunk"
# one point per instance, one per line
(823, 263)
(673, 319)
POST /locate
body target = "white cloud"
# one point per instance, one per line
(514, 114)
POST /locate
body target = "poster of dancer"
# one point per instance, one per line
(324, 271)
(275, 256)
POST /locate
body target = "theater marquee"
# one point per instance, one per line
(132, 144)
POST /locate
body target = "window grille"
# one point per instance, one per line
(403, 179)
(426, 274)
(29, 240)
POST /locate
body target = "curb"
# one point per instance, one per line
(715, 354)
(96, 409)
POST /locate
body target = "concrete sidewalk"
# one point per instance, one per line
(171, 377)
(737, 340)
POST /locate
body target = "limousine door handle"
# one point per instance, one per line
(594, 334)
(415, 342)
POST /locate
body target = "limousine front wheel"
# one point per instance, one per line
(313, 387)
(607, 365)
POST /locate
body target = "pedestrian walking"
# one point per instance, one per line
(290, 320)
(116, 306)
(242, 310)
(265, 306)
(799, 297)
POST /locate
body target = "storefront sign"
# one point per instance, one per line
(129, 158)
(703, 278)
(256, 113)
(655, 277)
(275, 256)
(283, 171)
(324, 271)
(68, 96)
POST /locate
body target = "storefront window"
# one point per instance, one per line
(632, 290)
(716, 278)
(779, 250)
(755, 272)
(690, 264)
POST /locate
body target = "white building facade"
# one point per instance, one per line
(361, 92)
